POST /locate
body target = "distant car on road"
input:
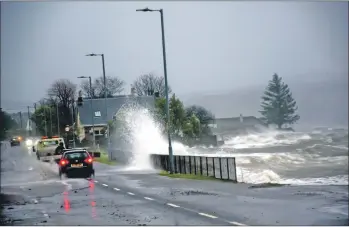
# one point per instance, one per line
(16, 141)
(76, 161)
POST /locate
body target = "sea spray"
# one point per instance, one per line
(142, 132)
(261, 157)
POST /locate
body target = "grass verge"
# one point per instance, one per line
(187, 176)
(199, 177)
(267, 185)
(104, 159)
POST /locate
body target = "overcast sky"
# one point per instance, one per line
(211, 46)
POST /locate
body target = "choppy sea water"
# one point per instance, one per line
(317, 157)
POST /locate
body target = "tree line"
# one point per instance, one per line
(278, 106)
(6, 124)
(60, 98)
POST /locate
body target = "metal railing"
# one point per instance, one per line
(218, 167)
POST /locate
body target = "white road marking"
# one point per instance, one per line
(45, 214)
(30, 168)
(116, 189)
(105, 185)
(235, 223)
(35, 201)
(148, 198)
(69, 186)
(96, 181)
(207, 215)
(130, 193)
(172, 205)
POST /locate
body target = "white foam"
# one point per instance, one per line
(267, 138)
(146, 138)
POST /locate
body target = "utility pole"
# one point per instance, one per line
(58, 126)
(72, 123)
(20, 117)
(45, 121)
(51, 126)
(36, 120)
(29, 126)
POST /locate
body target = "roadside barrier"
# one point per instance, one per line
(218, 167)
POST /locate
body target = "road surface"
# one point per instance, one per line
(118, 196)
(33, 194)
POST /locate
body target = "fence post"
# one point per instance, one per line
(180, 164)
(195, 164)
(190, 164)
(214, 168)
(201, 165)
(228, 168)
(220, 167)
(207, 166)
(185, 164)
(236, 178)
(175, 163)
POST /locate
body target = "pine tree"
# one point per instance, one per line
(278, 105)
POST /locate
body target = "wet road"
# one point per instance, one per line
(122, 197)
(36, 196)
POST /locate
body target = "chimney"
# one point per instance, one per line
(241, 118)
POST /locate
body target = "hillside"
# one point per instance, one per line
(321, 103)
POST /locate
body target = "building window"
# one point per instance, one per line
(98, 114)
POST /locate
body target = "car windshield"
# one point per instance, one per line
(78, 154)
(50, 143)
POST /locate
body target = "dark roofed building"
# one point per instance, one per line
(98, 110)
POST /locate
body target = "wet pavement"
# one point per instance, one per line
(119, 197)
(33, 194)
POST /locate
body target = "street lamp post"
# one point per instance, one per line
(105, 92)
(51, 122)
(92, 114)
(45, 122)
(73, 126)
(170, 151)
(58, 131)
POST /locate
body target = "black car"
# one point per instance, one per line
(15, 141)
(76, 162)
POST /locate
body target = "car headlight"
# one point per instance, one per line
(29, 142)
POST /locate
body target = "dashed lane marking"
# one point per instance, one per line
(236, 223)
(45, 214)
(176, 206)
(207, 215)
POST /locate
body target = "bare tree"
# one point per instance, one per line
(64, 91)
(114, 86)
(149, 82)
(85, 88)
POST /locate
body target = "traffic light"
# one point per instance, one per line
(80, 101)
